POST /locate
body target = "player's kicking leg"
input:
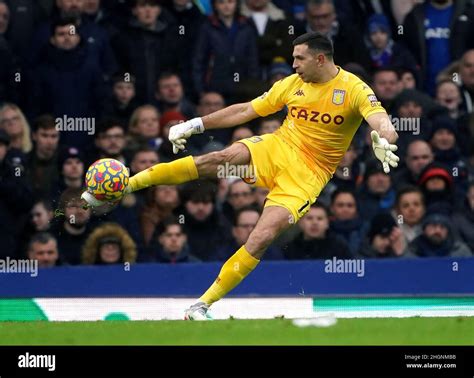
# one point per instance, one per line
(274, 220)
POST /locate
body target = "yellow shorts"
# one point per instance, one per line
(278, 167)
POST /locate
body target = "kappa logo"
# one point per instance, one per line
(299, 92)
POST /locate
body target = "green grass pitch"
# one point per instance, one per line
(375, 331)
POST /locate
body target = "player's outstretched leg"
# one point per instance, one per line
(189, 168)
(274, 220)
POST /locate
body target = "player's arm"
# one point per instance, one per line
(383, 137)
(228, 117)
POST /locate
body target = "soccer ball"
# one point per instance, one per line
(106, 179)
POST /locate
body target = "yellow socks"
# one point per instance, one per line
(174, 173)
(235, 269)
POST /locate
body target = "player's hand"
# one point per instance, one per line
(182, 131)
(383, 151)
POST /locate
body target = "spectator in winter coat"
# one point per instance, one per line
(437, 239)
(226, 51)
(384, 239)
(316, 242)
(346, 222)
(109, 244)
(16, 200)
(147, 47)
(463, 219)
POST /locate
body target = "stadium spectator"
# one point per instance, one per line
(315, 241)
(94, 38)
(348, 174)
(384, 239)
(172, 244)
(446, 151)
(244, 222)
(146, 47)
(240, 132)
(204, 225)
(269, 124)
(123, 102)
(376, 193)
(418, 155)
(71, 230)
(448, 94)
(279, 69)
(41, 162)
(436, 33)
(437, 184)
(165, 151)
(142, 159)
(239, 195)
(71, 171)
(466, 73)
(68, 83)
(345, 221)
(144, 129)
(9, 64)
(384, 51)
(226, 51)
(13, 121)
(109, 141)
(386, 86)
(437, 239)
(348, 42)
(42, 215)
(408, 78)
(210, 102)
(169, 95)
(189, 20)
(43, 247)
(109, 244)
(271, 27)
(463, 219)
(409, 211)
(23, 18)
(16, 200)
(160, 202)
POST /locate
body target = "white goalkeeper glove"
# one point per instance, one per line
(182, 131)
(383, 151)
(91, 201)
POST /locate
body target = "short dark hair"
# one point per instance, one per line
(243, 210)
(319, 205)
(168, 222)
(316, 41)
(44, 121)
(342, 191)
(408, 189)
(108, 123)
(59, 22)
(40, 237)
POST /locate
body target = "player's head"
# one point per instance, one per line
(312, 53)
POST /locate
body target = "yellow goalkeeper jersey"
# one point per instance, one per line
(322, 118)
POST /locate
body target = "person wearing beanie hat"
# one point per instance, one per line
(384, 239)
(384, 51)
(71, 171)
(437, 239)
(437, 185)
(377, 193)
(278, 70)
(443, 141)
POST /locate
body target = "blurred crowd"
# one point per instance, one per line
(85, 79)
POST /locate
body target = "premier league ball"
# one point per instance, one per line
(106, 179)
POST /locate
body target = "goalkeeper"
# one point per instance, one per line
(325, 106)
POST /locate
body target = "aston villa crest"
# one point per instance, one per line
(338, 96)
